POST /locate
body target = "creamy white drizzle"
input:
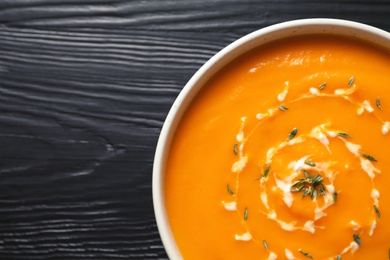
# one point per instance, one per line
(319, 213)
(355, 226)
(271, 111)
(319, 133)
(309, 226)
(353, 247)
(314, 91)
(260, 116)
(239, 165)
(385, 128)
(285, 186)
(270, 153)
(287, 226)
(331, 133)
(360, 111)
(272, 214)
(372, 227)
(230, 206)
(367, 106)
(368, 167)
(353, 148)
(300, 164)
(375, 196)
(289, 255)
(345, 91)
(264, 198)
(240, 135)
(282, 95)
(272, 256)
(243, 237)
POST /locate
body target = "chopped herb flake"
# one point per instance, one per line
(310, 163)
(305, 253)
(265, 244)
(377, 211)
(357, 239)
(322, 86)
(229, 190)
(369, 157)
(338, 257)
(378, 103)
(344, 135)
(235, 149)
(246, 214)
(351, 80)
(266, 171)
(335, 197)
(293, 133)
(283, 108)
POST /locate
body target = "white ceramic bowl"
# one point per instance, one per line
(226, 55)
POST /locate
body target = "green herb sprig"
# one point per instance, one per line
(311, 185)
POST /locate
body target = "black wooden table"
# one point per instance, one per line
(85, 86)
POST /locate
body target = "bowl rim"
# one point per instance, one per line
(214, 64)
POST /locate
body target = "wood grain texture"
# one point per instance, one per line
(85, 86)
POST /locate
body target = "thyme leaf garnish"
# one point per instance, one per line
(351, 80)
(369, 157)
(377, 211)
(283, 108)
(310, 163)
(292, 134)
(246, 214)
(229, 190)
(338, 257)
(235, 149)
(335, 197)
(305, 253)
(322, 86)
(265, 244)
(357, 239)
(344, 135)
(378, 103)
(310, 185)
(266, 171)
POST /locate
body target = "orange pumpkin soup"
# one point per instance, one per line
(283, 155)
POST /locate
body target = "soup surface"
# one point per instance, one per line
(284, 155)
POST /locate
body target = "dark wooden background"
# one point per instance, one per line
(85, 86)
